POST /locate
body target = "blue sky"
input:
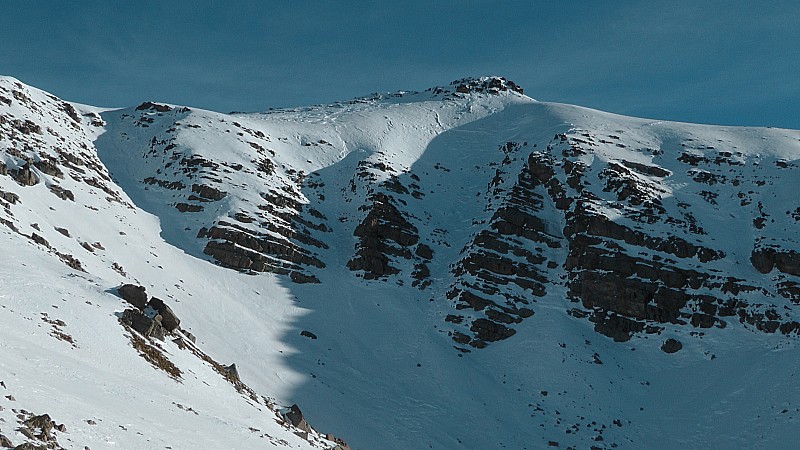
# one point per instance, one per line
(723, 62)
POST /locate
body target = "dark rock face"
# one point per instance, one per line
(241, 248)
(282, 247)
(635, 256)
(627, 275)
(384, 232)
(504, 257)
(622, 290)
(133, 294)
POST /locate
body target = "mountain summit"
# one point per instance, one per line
(463, 267)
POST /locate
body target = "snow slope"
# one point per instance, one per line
(64, 352)
(292, 197)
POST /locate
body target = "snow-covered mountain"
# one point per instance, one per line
(463, 267)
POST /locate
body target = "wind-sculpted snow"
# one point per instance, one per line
(459, 267)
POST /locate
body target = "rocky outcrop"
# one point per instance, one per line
(504, 268)
(241, 248)
(627, 276)
(489, 85)
(626, 291)
(766, 259)
(40, 430)
(275, 238)
(63, 194)
(187, 207)
(143, 324)
(24, 175)
(49, 166)
(152, 318)
(154, 107)
(208, 193)
(9, 197)
(383, 233)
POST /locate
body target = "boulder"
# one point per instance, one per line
(169, 320)
(763, 260)
(424, 251)
(133, 294)
(671, 346)
(231, 372)
(308, 334)
(295, 417)
(138, 321)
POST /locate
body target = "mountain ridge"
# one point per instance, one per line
(464, 263)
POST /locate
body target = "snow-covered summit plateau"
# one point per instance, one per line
(463, 267)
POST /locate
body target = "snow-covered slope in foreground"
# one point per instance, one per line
(459, 268)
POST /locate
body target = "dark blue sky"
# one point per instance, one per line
(725, 62)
